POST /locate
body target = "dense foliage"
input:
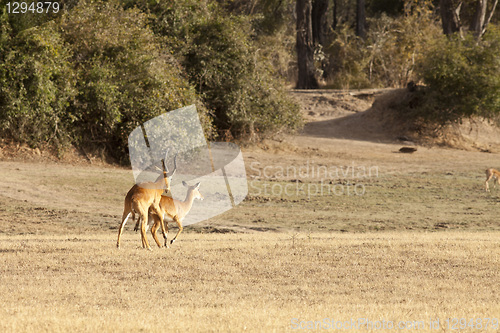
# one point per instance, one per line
(91, 75)
(125, 77)
(458, 75)
(227, 65)
(37, 84)
(388, 55)
(462, 79)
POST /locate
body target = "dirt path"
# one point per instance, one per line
(339, 132)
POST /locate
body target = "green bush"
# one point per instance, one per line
(238, 84)
(96, 71)
(236, 81)
(462, 79)
(125, 77)
(37, 83)
(89, 78)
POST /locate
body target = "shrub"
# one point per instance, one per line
(92, 74)
(388, 56)
(462, 79)
(37, 83)
(396, 44)
(348, 58)
(125, 77)
(236, 81)
(88, 78)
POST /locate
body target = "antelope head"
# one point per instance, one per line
(167, 175)
(193, 190)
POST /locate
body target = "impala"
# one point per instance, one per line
(143, 197)
(492, 173)
(176, 210)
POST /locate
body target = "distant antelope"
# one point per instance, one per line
(176, 211)
(144, 198)
(492, 173)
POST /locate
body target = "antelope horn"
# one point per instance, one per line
(165, 167)
(171, 174)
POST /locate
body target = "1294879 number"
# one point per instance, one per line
(39, 7)
(475, 323)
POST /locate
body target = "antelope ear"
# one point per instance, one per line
(185, 184)
(197, 186)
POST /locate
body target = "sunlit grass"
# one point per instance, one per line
(235, 282)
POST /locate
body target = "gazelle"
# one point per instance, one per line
(176, 211)
(143, 197)
(492, 173)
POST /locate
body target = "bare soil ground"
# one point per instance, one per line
(355, 229)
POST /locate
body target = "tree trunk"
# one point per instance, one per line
(450, 16)
(476, 26)
(360, 19)
(335, 19)
(479, 21)
(319, 24)
(305, 50)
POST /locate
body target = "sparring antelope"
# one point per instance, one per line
(143, 197)
(492, 173)
(176, 210)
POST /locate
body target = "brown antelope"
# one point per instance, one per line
(176, 211)
(492, 173)
(143, 197)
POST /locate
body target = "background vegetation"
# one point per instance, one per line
(89, 74)
(98, 69)
(446, 51)
(462, 80)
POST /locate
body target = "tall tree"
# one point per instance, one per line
(334, 14)
(452, 22)
(319, 21)
(450, 16)
(480, 21)
(360, 19)
(305, 46)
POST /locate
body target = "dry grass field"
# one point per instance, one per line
(418, 242)
(246, 282)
